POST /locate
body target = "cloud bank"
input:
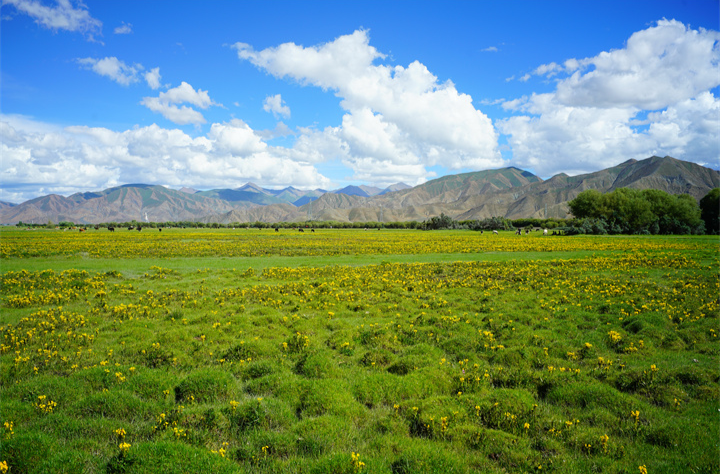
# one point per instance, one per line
(38, 158)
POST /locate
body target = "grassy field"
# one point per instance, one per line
(357, 351)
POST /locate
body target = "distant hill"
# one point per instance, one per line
(252, 194)
(240, 197)
(508, 192)
(303, 200)
(353, 191)
(395, 187)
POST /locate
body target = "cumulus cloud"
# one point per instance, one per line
(63, 16)
(41, 159)
(236, 138)
(124, 29)
(152, 77)
(395, 115)
(113, 68)
(591, 119)
(167, 104)
(274, 104)
(659, 66)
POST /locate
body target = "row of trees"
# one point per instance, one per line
(647, 211)
(492, 223)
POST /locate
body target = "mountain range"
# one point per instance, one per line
(508, 192)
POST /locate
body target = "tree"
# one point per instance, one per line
(586, 204)
(491, 223)
(440, 222)
(630, 211)
(710, 211)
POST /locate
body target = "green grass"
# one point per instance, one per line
(552, 357)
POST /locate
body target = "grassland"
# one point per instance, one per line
(350, 351)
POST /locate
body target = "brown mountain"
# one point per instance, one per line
(666, 174)
(120, 204)
(508, 192)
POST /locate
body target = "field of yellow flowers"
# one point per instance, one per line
(199, 350)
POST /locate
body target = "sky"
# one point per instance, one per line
(324, 94)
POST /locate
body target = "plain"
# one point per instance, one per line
(221, 350)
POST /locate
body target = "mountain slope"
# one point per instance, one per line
(240, 197)
(120, 204)
(666, 174)
(508, 192)
(450, 188)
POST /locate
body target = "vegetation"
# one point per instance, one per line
(710, 211)
(352, 352)
(631, 211)
(440, 222)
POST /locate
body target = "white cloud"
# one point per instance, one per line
(317, 146)
(490, 49)
(124, 29)
(274, 104)
(591, 120)
(152, 77)
(326, 66)
(395, 115)
(658, 67)
(548, 70)
(166, 104)
(63, 16)
(236, 138)
(183, 115)
(383, 173)
(40, 159)
(113, 68)
(689, 129)
(122, 73)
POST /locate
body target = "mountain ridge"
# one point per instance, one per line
(509, 192)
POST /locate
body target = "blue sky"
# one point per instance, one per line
(325, 94)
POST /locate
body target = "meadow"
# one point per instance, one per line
(351, 351)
